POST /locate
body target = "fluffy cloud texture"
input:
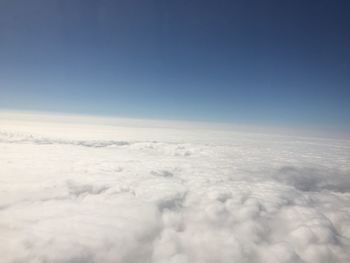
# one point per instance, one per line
(155, 193)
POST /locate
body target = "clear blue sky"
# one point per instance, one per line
(285, 62)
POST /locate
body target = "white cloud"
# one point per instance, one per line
(96, 193)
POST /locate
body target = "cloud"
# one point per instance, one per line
(250, 199)
(314, 179)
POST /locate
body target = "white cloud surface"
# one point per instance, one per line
(148, 193)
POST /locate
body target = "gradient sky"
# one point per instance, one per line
(269, 62)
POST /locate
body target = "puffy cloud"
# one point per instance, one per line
(105, 198)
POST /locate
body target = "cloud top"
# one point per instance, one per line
(262, 198)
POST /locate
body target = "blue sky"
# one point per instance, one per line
(260, 62)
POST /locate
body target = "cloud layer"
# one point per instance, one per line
(247, 198)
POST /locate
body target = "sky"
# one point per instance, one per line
(261, 62)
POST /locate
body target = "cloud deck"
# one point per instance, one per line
(115, 198)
